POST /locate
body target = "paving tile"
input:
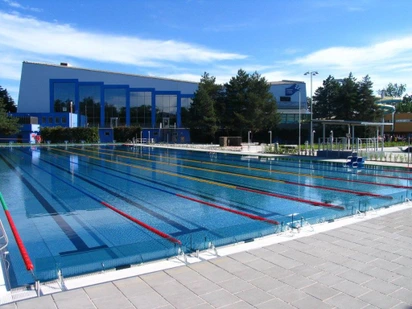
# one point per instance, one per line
(239, 305)
(274, 303)
(403, 295)
(287, 293)
(355, 276)
(72, 299)
(320, 291)
(278, 272)
(228, 264)
(235, 285)
(132, 287)
(220, 298)
(306, 270)
(44, 302)
(244, 257)
(183, 274)
(381, 273)
(345, 301)
(351, 288)
(184, 300)
(260, 264)
(384, 264)
(113, 302)
(266, 283)
(202, 286)
(326, 278)
(105, 290)
(311, 302)
(148, 300)
(381, 286)
(297, 281)
(156, 277)
(402, 281)
(379, 300)
(249, 274)
(254, 296)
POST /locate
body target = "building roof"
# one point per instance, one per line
(286, 82)
(68, 66)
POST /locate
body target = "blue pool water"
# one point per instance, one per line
(64, 202)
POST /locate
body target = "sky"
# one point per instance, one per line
(182, 39)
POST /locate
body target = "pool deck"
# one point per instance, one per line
(364, 261)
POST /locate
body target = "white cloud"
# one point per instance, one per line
(16, 5)
(46, 38)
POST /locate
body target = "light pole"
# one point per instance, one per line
(300, 124)
(270, 137)
(311, 73)
(71, 114)
(248, 137)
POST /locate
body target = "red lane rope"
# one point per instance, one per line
(241, 213)
(293, 198)
(146, 226)
(20, 245)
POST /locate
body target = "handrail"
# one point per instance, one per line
(23, 251)
(3, 235)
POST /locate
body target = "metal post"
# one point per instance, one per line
(312, 73)
(300, 123)
(270, 137)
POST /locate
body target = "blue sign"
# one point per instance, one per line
(292, 89)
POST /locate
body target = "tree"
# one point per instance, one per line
(405, 106)
(203, 120)
(8, 125)
(393, 90)
(8, 102)
(346, 99)
(250, 106)
(324, 99)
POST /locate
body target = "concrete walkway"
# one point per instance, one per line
(365, 264)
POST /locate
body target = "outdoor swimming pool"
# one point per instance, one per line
(83, 209)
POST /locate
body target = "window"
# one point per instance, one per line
(57, 120)
(89, 103)
(141, 108)
(50, 119)
(166, 107)
(115, 106)
(64, 97)
(184, 110)
(285, 99)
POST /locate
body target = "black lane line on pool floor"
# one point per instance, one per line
(119, 196)
(181, 190)
(360, 193)
(253, 217)
(235, 187)
(123, 214)
(305, 175)
(78, 243)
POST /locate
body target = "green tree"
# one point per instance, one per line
(393, 90)
(250, 106)
(8, 101)
(203, 120)
(405, 106)
(324, 99)
(346, 99)
(8, 125)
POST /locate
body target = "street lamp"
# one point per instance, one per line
(311, 73)
(300, 124)
(71, 114)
